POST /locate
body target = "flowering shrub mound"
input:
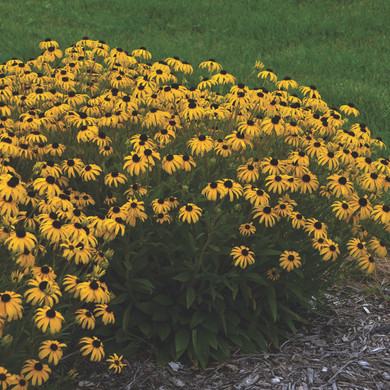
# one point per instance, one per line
(138, 210)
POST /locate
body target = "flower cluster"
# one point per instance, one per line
(96, 143)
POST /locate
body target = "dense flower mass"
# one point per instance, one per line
(102, 149)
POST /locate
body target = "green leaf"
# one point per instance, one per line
(120, 299)
(161, 314)
(164, 300)
(146, 329)
(197, 319)
(120, 336)
(147, 307)
(215, 248)
(126, 316)
(201, 348)
(142, 285)
(190, 296)
(182, 339)
(163, 330)
(272, 303)
(185, 276)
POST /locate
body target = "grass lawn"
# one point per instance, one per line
(341, 47)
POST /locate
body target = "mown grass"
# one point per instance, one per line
(339, 46)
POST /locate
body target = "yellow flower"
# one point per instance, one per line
(289, 260)
(92, 346)
(242, 256)
(116, 363)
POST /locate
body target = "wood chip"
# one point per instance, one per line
(348, 349)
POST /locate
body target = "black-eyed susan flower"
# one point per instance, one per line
(356, 248)
(381, 212)
(242, 256)
(48, 318)
(90, 172)
(297, 219)
(201, 144)
(93, 291)
(105, 312)
(315, 227)
(367, 263)
(247, 173)
(54, 231)
(11, 186)
(268, 73)
(211, 65)
(362, 206)
(273, 274)
(92, 346)
(190, 213)
(70, 283)
(36, 371)
(342, 210)
(286, 83)
(277, 183)
(135, 164)
(349, 109)
(266, 215)
(378, 247)
(256, 196)
(308, 183)
(160, 205)
(11, 305)
(239, 141)
(162, 218)
(289, 260)
(42, 292)
(52, 349)
(171, 163)
(19, 382)
(72, 167)
(329, 250)
(5, 378)
(247, 229)
(19, 240)
(231, 189)
(85, 318)
(213, 190)
(47, 185)
(116, 363)
(340, 185)
(44, 273)
(223, 77)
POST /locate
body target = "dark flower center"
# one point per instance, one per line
(50, 313)
(244, 252)
(318, 225)
(342, 180)
(38, 366)
(363, 202)
(20, 233)
(96, 343)
(189, 208)
(306, 178)
(291, 257)
(54, 347)
(5, 298)
(267, 210)
(94, 285)
(213, 185)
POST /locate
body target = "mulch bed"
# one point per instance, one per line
(349, 348)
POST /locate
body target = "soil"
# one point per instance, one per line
(346, 348)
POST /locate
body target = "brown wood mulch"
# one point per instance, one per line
(349, 348)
